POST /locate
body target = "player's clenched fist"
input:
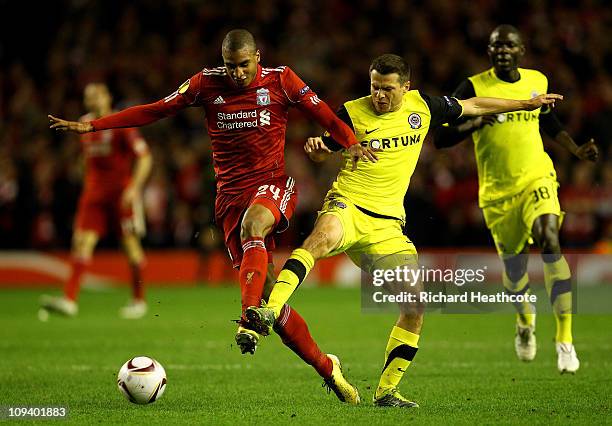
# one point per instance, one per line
(589, 151)
(69, 126)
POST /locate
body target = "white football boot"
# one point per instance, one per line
(525, 342)
(59, 305)
(567, 360)
(134, 310)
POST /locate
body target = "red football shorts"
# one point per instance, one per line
(279, 195)
(98, 214)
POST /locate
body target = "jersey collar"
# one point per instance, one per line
(504, 81)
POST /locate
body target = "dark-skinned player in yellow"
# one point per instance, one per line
(518, 186)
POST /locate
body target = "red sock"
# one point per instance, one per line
(137, 284)
(72, 287)
(253, 271)
(293, 331)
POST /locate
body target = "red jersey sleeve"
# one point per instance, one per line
(186, 95)
(300, 95)
(136, 142)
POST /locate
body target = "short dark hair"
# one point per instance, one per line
(389, 64)
(506, 29)
(238, 39)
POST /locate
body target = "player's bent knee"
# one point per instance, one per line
(133, 248)
(252, 228)
(551, 241)
(319, 243)
(256, 223)
(76, 245)
(516, 271)
(548, 239)
(325, 237)
(546, 233)
(516, 267)
(83, 244)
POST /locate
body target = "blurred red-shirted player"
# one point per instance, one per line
(117, 164)
(246, 108)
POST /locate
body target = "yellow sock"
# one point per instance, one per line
(564, 328)
(557, 278)
(525, 311)
(294, 271)
(400, 352)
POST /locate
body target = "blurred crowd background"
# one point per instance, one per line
(145, 49)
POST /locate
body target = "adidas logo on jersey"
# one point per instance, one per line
(219, 100)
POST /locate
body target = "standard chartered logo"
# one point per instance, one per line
(264, 117)
(243, 119)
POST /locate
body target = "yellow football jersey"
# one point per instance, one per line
(380, 187)
(510, 153)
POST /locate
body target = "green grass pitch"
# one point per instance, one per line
(465, 372)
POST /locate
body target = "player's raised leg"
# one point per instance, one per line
(83, 244)
(557, 278)
(516, 281)
(137, 307)
(288, 324)
(294, 333)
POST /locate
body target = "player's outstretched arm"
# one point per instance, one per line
(138, 115)
(486, 106)
(135, 116)
(69, 126)
(456, 131)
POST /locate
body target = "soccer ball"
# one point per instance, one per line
(142, 380)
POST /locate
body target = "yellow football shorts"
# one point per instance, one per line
(510, 221)
(370, 242)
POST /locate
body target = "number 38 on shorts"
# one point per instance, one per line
(510, 221)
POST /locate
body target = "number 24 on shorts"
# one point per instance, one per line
(274, 190)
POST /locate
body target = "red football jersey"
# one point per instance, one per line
(246, 125)
(109, 157)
